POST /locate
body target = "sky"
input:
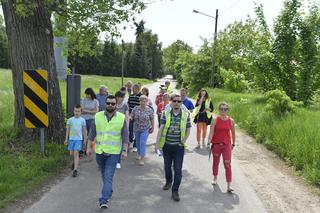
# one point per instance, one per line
(173, 20)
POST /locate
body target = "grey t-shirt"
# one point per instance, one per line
(89, 104)
(123, 109)
(102, 102)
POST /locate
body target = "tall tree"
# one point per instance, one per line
(30, 34)
(285, 46)
(4, 54)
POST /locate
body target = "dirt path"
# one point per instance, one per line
(277, 185)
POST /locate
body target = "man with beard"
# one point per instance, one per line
(172, 136)
(111, 133)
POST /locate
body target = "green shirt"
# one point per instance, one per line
(173, 136)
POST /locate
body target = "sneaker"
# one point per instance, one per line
(75, 173)
(118, 166)
(167, 186)
(198, 146)
(175, 196)
(134, 149)
(103, 205)
(230, 190)
(141, 163)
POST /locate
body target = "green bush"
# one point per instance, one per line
(235, 82)
(278, 103)
(294, 137)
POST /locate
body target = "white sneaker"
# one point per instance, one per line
(134, 149)
(118, 166)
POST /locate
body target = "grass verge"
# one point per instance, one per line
(22, 168)
(295, 137)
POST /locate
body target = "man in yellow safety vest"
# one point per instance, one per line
(112, 136)
(172, 136)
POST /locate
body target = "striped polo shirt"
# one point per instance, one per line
(173, 136)
(133, 101)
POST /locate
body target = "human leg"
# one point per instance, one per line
(178, 155)
(167, 158)
(216, 152)
(226, 155)
(198, 134)
(107, 165)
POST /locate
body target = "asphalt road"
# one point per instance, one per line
(138, 189)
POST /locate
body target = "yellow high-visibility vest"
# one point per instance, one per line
(183, 125)
(108, 136)
(207, 106)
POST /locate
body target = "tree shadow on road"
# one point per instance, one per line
(139, 189)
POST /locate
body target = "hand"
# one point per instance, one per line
(124, 155)
(208, 148)
(156, 147)
(65, 142)
(88, 151)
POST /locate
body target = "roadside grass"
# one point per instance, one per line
(22, 167)
(295, 137)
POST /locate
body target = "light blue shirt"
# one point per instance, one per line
(76, 126)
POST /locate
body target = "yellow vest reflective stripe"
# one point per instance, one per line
(206, 106)
(183, 125)
(108, 136)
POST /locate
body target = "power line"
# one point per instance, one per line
(230, 7)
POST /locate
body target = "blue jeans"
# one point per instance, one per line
(107, 165)
(141, 140)
(173, 154)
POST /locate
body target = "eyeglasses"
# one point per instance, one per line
(176, 101)
(110, 103)
(223, 109)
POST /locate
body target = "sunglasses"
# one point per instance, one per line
(176, 101)
(110, 103)
(223, 109)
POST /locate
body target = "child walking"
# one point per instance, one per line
(75, 134)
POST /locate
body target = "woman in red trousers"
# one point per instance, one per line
(221, 142)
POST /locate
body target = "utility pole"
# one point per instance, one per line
(122, 63)
(214, 50)
(214, 44)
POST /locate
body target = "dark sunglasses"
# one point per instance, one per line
(176, 101)
(223, 109)
(110, 103)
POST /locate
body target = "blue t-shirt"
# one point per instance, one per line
(188, 104)
(76, 126)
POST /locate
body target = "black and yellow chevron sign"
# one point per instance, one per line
(35, 84)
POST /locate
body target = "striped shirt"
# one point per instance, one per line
(133, 101)
(173, 136)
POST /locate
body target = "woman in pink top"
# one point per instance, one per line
(221, 142)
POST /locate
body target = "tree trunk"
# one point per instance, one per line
(31, 47)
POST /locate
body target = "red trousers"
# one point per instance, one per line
(226, 151)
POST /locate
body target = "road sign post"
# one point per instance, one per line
(35, 85)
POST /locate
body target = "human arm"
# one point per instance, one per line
(91, 137)
(233, 133)
(67, 135)
(125, 140)
(159, 134)
(211, 133)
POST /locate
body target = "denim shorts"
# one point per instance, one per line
(75, 145)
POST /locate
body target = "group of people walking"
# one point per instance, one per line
(128, 118)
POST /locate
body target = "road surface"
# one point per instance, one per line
(139, 189)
